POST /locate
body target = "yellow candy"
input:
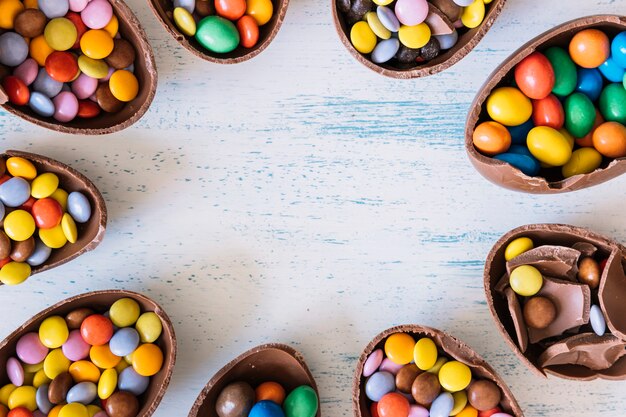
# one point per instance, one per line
(455, 376)
(55, 363)
(508, 106)
(19, 225)
(14, 273)
(414, 36)
(147, 359)
(583, 161)
(8, 10)
(93, 410)
(363, 37)
(437, 367)
(39, 50)
(460, 401)
(473, 14)
(399, 348)
(468, 411)
(260, 10)
(94, 68)
(113, 26)
(31, 4)
(84, 371)
(102, 357)
(124, 85)
(53, 332)
(377, 27)
(55, 410)
(129, 358)
(121, 366)
(107, 383)
(5, 392)
(96, 44)
(425, 353)
(517, 247)
(74, 410)
(21, 167)
(68, 225)
(32, 367)
(382, 2)
(124, 312)
(54, 237)
(568, 136)
(60, 34)
(526, 280)
(149, 327)
(184, 21)
(40, 378)
(23, 397)
(548, 145)
(44, 185)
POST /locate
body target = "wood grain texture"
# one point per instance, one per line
(301, 198)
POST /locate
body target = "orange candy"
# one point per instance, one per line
(271, 391)
(589, 48)
(230, 9)
(20, 412)
(587, 140)
(491, 138)
(62, 66)
(248, 31)
(610, 139)
(96, 330)
(548, 112)
(393, 405)
(47, 213)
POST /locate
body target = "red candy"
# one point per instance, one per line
(4, 178)
(5, 261)
(393, 405)
(28, 205)
(87, 109)
(534, 76)
(17, 91)
(230, 9)
(20, 412)
(96, 330)
(81, 28)
(489, 413)
(62, 66)
(548, 112)
(248, 31)
(374, 410)
(47, 213)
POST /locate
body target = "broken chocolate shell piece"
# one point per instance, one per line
(553, 261)
(586, 349)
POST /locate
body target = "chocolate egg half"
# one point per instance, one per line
(576, 352)
(271, 362)
(504, 174)
(90, 234)
(449, 345)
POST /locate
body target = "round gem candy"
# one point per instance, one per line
(414, 36)
(260, 10)
(97, 14)
(549, 146)
(113, 26)
(76, 317)
(612, 103)
(75, 348)
(388, 18)
(53, 332)
(548, 111)
(53, 237)
(14, 192)
(14, 273)
(447, 41)
(393, 405)
(62, 66)
(41, 397)
(377, 27)
(149, 327)
(15, 372)
(124, 341)
(301, 402)
(107, 383)
(41, 104)
(455, 376)
(596, 319)
(87, 109)
(534, 76)
(79, 25)
(235, 399)
(27, 71)
(425, 353)
(526, 280)
(460, 401)
(74, 410)
(417, 411)
(129, 380)
(612, 71)
(96, 330)
(385, 50)
(589, 48)
(47, 213)
(16, 90)
(124, 85)
(96, 44)
(589, 82)
(230, 9)
(147, 359)
(248, 31)
(93, 68)
(411, 12)
(372, 362)
(405, 377)
(271, 391)
(263, 409)
(66, 106)
(217, 34)
(387, 365)
(399, 348)
(46, 85)
(517, 247)
(484, 395)
(21, 167)
(188, 5)
(83, 392)
(55, 364)
(491, 138)
(580, 114)
(22, 250)
(618, 49)
(60, 385)
(9, 9)
(54, 8)
(589, 272)
(362, 37)
(609, 139)
(539, 313)
(30, 350)
(508, 106)
(30, 23)
(473, 14)
(78, 5)
(379, 384)
(13, 49)
(60, 34)
(583, 161)
(19, 225)
(442, 405)
(44, 185)
(78, 206)
(184, 21)
(23, 397)
(124, 312)
(84, 86)
(106, 100)
(69, 228)
(103, 358)
(565, 74)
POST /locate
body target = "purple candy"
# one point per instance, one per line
(38, 413)
(373, 362)
(388, 366)
(84, 86)
(15, 372)
(418, 411)
(97, 14)
(27, 71)
(75, 348)
(66, 106)
(388, 18)
(411, 12)
(30, 350)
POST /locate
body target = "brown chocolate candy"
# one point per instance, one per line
(122, 404)
(484, 395)
(75, 317)
(589, 272)
(204, 8)
(235, 400)
(60, 385)
(405, 377)
(539, 312)
(123, 54)
(22, 250)
(425, 388)
(30, 23)
(106, 100)
(5, 245)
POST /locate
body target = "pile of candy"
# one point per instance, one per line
(211, 24)
(552, 294)
(269, 399)
(84, 364)
(564, 114)
(33, 202)
(405, 33)
(413, 379)
(67, 58)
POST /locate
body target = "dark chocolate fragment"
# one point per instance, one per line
(553, 261)
(586, 349)
(449, 8)
(430, 50)
(407, 55)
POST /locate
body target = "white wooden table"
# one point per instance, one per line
(302, 198)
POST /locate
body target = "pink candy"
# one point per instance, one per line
(65, 106)
(411, 12)
(84, 86)
(372, 363)
(388, 366)
(78, 5)
(27, 71)
(30, 350)
(418, 411)
(75, 348)
(15, 372)
(97, 14)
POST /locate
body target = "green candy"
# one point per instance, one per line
(613, 103)
(217, 34)
(579, 114)
(565, 75)
(301, 402)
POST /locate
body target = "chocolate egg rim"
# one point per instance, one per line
(489, 288)
(505, 171)
(275, 24)
(148, 78)
(223, 373)
(449, 57)
(169, 343)
(99, 213)
(445, 343)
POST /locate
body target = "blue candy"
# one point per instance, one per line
(78, 206)
(618, 49)
(40, 254)
(266, 408)
(596, 318)
(447, 41)
(41, 104)
(54, 8)
(589, 83)
(46, 85)
(83, 392)
(520, 150)
(129, 380)
(379, 384)
(14, 192)
(13, 49)
(527, 164)
(385, 50)
(189, 5)
(124, 341)
(612, 71)
(519, 133)
(41, 398)
(388, 18)
(442, 406)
